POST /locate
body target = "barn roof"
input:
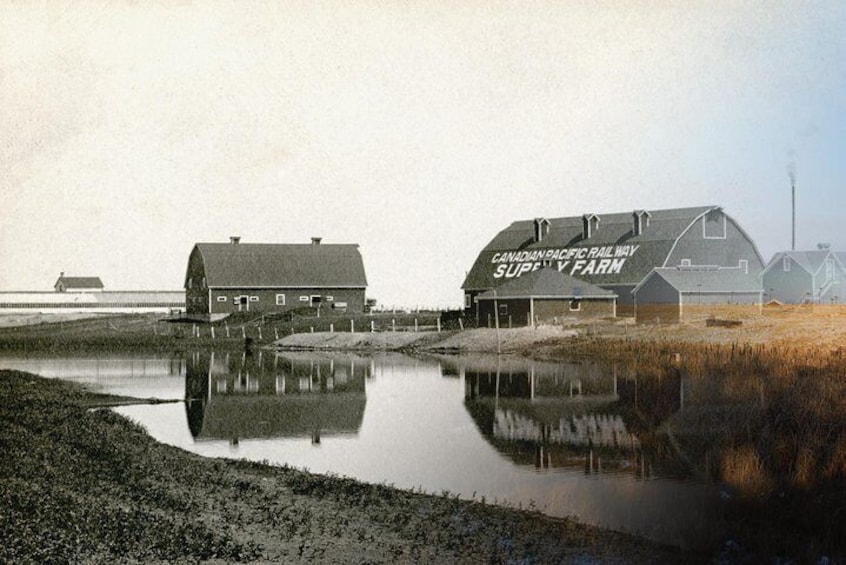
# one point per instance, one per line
(654, 243)
(80, 283)
(547, 283)
(712, 280)
(273, 265)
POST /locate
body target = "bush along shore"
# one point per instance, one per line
(80, 483)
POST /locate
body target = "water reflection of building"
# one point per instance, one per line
(566, 414)
(236, 395)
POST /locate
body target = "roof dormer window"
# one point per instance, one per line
(590, 225)
(640, 220)
(541, 229)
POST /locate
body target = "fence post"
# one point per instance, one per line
(352, 326)
(372, 326)
(393, 324)
(243, 333)
(461, 323)
(260, 338)
(227, 328)
(332, 328)
(195, 331)
(212, 332)
(276, 333)
(439, 324)
(415, 324)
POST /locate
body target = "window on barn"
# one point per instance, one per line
(503, 309)
(744, 266)
(221, 299)
(303, 298)
(280, 300)
(714, 225)
(330, 298)
(467, 301)
(785, 264)
(254, 299)
(575, 305)
(685, 262)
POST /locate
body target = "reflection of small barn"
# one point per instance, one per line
(796, 277)
(675, 294)
(78, 284)
(544, 295)
(236, 397)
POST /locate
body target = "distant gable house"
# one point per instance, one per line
(674, 294)
(78, 284)
(802, 277)
(223, 278)
(545, 295)
(612, 251)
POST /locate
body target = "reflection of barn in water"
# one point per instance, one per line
(235, 396)
(567, 414)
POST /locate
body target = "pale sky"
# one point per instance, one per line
(417, 129)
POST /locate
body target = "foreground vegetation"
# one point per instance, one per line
(83, 485)
(767, 421)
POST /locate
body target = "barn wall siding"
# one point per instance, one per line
(223, 300)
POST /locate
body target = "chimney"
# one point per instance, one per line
(590, 224)
(235, 239)
(316, 240)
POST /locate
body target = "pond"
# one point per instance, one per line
(569, 439)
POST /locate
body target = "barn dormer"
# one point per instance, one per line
(640, 221)
(590, 225)
(541, 228)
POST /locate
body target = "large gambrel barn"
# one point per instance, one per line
(613, 251)
(223, 278)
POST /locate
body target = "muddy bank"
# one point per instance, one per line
(472, 340)
(81, 485)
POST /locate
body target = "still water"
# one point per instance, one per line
(569, 439)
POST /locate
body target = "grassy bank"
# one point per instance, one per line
(766, 421)
(82, 485)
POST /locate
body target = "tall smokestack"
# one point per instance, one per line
(791, 171)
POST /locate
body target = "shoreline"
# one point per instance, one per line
(90, 485)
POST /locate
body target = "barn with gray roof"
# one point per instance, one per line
(613, 251)
(223, 278)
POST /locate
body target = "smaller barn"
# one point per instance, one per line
(78, 284)
(223, 278)
(543, 296)
(800, 277)
(675, 294)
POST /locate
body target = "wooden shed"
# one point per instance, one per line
(677, 294)
(543, 296)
